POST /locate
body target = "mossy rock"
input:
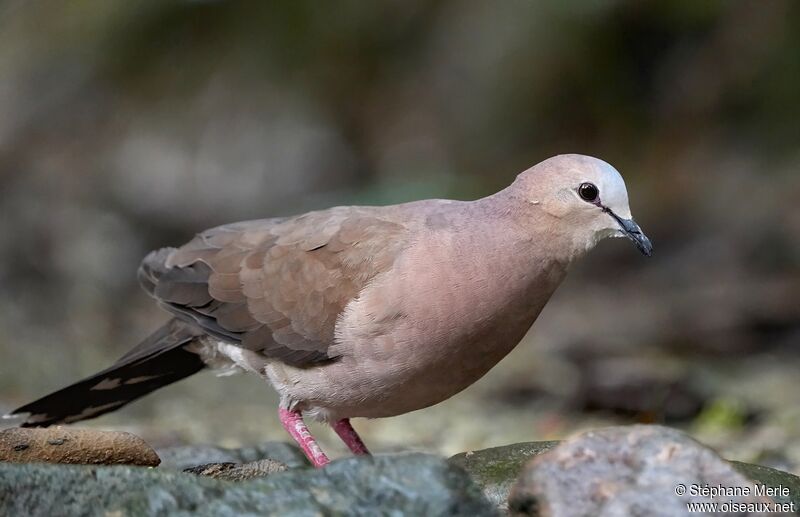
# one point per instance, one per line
(496, 469)
(773, 478)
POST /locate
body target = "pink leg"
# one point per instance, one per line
(293, 423)
(349, 436)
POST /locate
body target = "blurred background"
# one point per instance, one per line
(127, 126)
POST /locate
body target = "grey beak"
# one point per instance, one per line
(634, 233)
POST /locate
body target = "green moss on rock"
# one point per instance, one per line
(772, 478)
(496, 469)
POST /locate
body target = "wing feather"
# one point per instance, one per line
(276, 285)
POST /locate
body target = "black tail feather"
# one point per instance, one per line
(158, 361)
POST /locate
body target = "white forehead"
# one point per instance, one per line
(613, 185)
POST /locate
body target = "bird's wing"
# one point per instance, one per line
(276, 286)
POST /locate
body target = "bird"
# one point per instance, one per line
(362, 311)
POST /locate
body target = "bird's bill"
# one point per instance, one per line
(632, 231)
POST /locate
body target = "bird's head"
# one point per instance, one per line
(586, 199)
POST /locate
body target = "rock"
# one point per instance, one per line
(76, 446)
(239, 472)
(623, 471)
(413, 484)
(183, 457)
(773, 478)
(409, 484)
(496, 469)
(211, 469)
(284, 452)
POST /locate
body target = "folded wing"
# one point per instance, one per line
(276, 286)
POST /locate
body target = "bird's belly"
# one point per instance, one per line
(389, 376)
(403, 389)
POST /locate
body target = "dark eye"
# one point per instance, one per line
(588, 192)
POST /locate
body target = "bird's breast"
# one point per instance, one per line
(435, 324)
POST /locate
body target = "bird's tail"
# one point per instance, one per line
(159, 360)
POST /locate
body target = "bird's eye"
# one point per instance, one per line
(588, 192)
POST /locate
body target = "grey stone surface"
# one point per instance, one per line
(496, 469)
(182, 457)
(237, 471)
(626, 471)
(385, 485)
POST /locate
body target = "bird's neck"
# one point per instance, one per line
(519, 262)
(540, 238)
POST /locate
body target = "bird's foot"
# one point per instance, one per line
(349, 436)
(293, 423)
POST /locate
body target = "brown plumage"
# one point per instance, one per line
(363, 311)
(276, 286)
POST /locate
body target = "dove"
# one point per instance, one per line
(362, 311)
